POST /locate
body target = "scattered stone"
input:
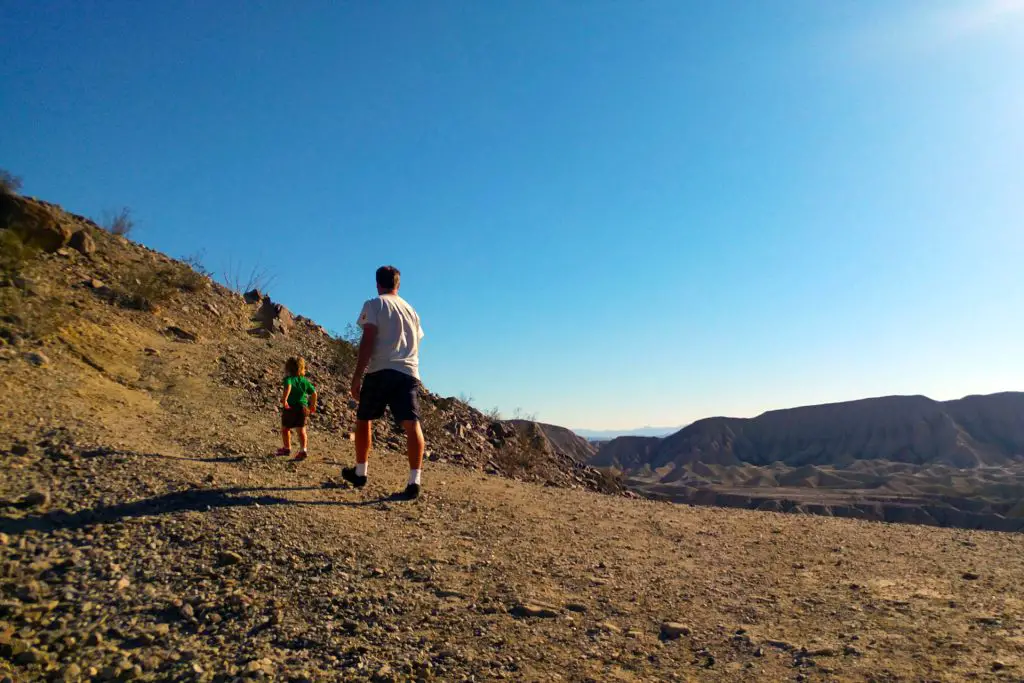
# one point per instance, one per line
(576, 607)
(182, 335)
(31, 656)
(37, 358)
(71, 673)
(971, 576)
(525, 610)
(228, 558)
(123, 583)
(151, 352)
(998, 665)
(20, 449)
(212, 309)
(253, 296)
(95, 284)
(609, 627)
(34, 498)
(83, 243)
(671, 630)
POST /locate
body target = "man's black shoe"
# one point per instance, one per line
(349, 475)
(411, 492)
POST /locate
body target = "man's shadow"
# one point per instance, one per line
(193, 500)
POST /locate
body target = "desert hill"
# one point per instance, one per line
(554, 439)
(896, 458)
(148, 534)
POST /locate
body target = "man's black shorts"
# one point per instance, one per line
(389, 388)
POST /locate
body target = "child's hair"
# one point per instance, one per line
(295, 367)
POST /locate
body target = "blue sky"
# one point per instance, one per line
(608, 213)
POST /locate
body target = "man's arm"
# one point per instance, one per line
(365, 353)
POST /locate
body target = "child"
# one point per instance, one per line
(297, 403)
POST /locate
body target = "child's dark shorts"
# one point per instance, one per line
(389, 388)
(294, 418)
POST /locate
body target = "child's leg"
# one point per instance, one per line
(286, 438)
(303, 439)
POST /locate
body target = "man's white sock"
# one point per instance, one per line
(414, 476)
(361, 469)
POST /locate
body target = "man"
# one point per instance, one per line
(389, 355)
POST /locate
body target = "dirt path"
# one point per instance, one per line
(338, 584)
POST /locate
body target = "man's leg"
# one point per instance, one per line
(414, 446)
(364, 439)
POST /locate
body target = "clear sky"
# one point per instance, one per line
(608, 213)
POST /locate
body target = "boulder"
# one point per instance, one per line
(253, 296)
(34, 223)
(83, 242)
(273, 317)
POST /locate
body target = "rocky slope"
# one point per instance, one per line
(115, 292)
(899, 458)
(555, 440)
(147, 534)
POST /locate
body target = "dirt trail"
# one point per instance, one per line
(343, 584)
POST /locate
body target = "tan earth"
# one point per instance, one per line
(149, 535)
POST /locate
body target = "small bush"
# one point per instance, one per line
(235, 278)
(520, 414)
(193, 276)
(346, 350)
(9, 183)
(494, 414)
(38, 318)
(516, 461)
(119, 222)
(15, 255)
(147, 289)
(466, 398)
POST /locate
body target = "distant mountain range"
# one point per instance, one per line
(609, 434)
(895, 458)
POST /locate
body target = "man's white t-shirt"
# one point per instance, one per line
(398, 334)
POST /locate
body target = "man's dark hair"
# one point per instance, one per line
(388, 278)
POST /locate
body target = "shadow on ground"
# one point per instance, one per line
(194, 500)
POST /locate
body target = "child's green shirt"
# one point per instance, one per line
(302, 389)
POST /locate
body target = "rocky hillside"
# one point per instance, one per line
(555, 440)
(147, 533)
(899, 458)
(73, 288)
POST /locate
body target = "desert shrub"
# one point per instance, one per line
(494, 414)
(30, 316)
(466, 398)
(240, 281)
(520, 414)
(345, 349)
(15, 254)
(513, 460)
(193, 275)
(610, 480)
(148, 288)
(119, 222)
(9, 183)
